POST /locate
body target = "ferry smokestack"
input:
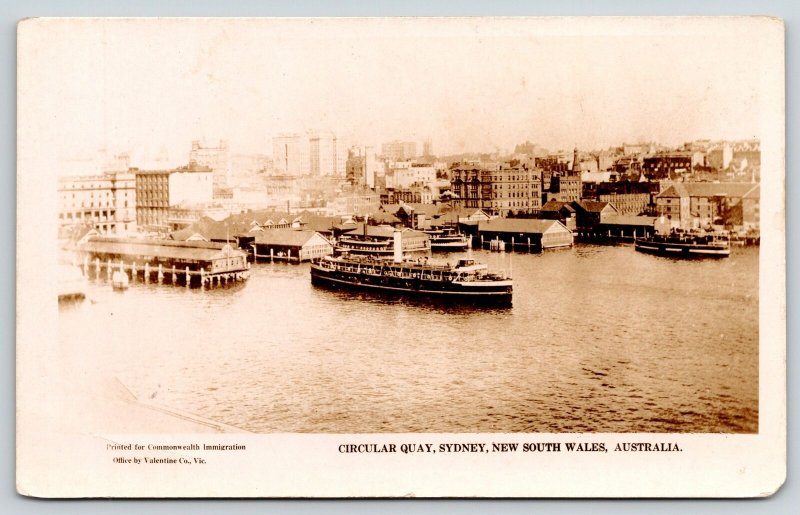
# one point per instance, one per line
(398, 247)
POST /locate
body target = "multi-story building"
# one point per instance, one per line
(498, 189)
(361, 167)
(399, 150)
(291, 154)
(217, 159)
(667, 165)
(158, 190)
(106, 202)
(699, 204)
(323, 156)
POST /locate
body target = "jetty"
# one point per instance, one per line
(176, 262)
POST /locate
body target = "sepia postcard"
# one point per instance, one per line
(401, 257)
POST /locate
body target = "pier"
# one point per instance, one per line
(177, 263)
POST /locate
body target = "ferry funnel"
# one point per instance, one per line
(398, 247)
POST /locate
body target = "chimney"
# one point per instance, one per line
(398, 247)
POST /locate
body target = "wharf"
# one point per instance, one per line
(204, 264)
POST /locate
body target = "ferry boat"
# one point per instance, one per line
(685, 245)
(378, 242)
(447, 240)
(466, 281)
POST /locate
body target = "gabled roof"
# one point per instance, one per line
(287, 237)
(674, 191)
(713, 189)
(591, 206)
(555, 206)
(519, 225)
(225, 230)
(196, 251)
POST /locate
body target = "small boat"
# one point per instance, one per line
(464, 282)
(119, 280)
(447, 240)
(685, 244)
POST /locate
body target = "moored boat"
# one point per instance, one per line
(447, 240)
(378, 241)
(466, 281)
(681, 244)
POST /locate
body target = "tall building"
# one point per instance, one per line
(356, 167)
(218, 159)
(291, 154)
(399, 150)
(427, 148)
(106, 202)
(323, 158)
(158, 190)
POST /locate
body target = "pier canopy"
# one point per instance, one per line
(196, 255)
(627, 226)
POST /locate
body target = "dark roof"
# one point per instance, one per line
(676, 190)
(288, 237)
(518, 225)
(429, 210)
(555, 206)
(225, 230)
(591, 206)
(383, 217)
(194, 251)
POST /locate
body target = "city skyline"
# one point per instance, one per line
(471, 85)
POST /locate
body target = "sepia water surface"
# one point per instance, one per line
(599, 339)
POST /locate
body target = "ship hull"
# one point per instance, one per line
(490, 292)
(682, 250)
(455, 246)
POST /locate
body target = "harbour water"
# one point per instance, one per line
(599, 339)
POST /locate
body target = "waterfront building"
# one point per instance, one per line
(626, 226)
(525, 232)
(700, 204)
(190, 261)
(291, 245)
(217, 159)
(590, 213)
(561, 211)
(105, 202)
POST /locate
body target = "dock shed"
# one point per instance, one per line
(521, 233)
(626, 227)
(290, 245)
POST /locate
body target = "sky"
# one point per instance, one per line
(146, 87)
